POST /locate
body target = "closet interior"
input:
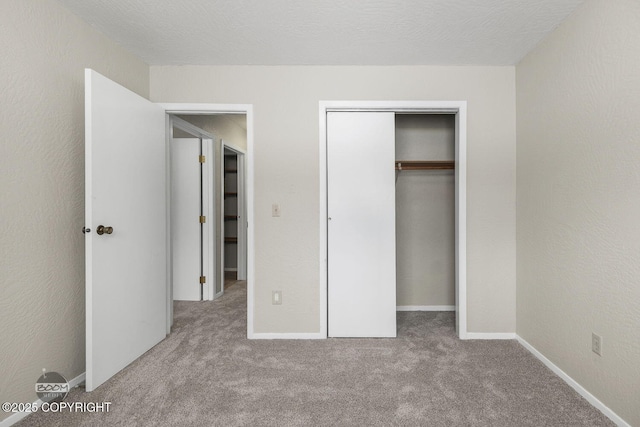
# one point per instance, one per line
(230, 215)
(425, 212)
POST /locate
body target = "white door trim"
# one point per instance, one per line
(246, 109)
(220, 189)
(459, 108)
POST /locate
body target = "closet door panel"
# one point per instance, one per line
(361, 225)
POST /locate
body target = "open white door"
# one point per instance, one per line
(361, 224)
(187, 237)
(126, 283)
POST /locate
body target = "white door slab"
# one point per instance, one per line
(186, 230)
(126, 280)
(361, 224)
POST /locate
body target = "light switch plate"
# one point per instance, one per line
(276, 298)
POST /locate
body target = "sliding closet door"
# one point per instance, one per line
(361, 224)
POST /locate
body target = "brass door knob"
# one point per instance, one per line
(104, 230)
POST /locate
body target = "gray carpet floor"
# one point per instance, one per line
(206, 373)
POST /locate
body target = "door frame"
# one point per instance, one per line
(242, 209)
(219, 109)
(208, 252)
(459, 109)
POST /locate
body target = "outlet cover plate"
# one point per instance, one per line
(596, 344)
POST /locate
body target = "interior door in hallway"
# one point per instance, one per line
(187, 237)
(361, 224)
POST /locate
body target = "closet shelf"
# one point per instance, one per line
(231, 170)
(230, 217)
(231, 240)
(230, 194)
(416, 165)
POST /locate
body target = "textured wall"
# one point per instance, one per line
(578, 206)
(44, 52)
(425, 212)
(286, 159)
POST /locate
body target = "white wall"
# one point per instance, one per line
(44, 52)
(578, 208)
(285, 103)
(425, 212)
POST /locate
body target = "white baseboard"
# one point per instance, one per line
(21, 415)
(77, 380)
(574, 384)
(287, 336)
(490, 336)
(426, 308)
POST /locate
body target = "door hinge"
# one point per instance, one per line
(203, 219)
(203, 279)
(202, 159)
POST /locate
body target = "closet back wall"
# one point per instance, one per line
(425, 212)
(286, 155)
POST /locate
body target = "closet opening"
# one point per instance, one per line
(233, 213)
(419, 247)
(425, 215)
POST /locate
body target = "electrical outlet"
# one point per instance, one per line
(596, 344)
(275, 210)
(276, 298)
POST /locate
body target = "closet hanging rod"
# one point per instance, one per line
(414, 165)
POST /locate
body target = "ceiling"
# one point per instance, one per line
(326, 32)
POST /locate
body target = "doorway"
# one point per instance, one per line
(456, 108)
(226, 118)
(227, 217)
(127, 222)
(234, 226)
(425, 212)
